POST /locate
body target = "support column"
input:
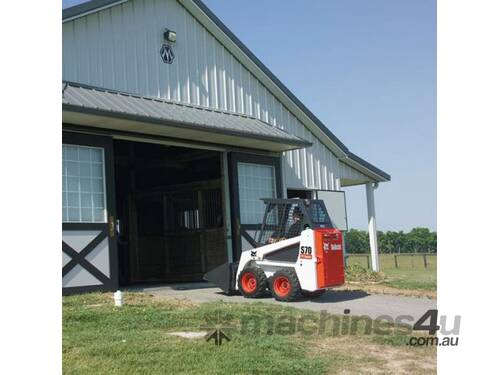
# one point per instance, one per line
(338, 187)
(372, 225)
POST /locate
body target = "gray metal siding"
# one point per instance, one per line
(118, 48)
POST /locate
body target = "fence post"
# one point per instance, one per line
(368, 261)
(396, 261)
(425, 260)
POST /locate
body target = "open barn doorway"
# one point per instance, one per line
(170, 212)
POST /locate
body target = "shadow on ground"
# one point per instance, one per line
(329, 297)
(172, 286)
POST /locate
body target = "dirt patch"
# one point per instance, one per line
(369, 358)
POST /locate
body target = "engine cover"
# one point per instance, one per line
(330, 257)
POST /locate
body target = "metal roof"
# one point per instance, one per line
(81, 98)
(88, 7)
(95, 5)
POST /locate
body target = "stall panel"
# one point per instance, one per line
(89, 258)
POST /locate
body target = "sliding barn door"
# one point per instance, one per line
(252, 178)
(89, 255)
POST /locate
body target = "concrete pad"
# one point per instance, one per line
(336, 302)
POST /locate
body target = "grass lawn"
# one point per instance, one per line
(99, 338)
(411, 277)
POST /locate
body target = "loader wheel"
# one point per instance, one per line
(252, 282)
(285, 285)
(315, 294)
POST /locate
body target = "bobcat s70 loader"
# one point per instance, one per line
(296, 252)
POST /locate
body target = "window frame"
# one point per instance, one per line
(104, 187)
(273, 173)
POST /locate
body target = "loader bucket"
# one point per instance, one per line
(224, 277)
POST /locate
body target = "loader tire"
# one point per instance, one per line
(252, 282)
(285, 285)
(315, 294)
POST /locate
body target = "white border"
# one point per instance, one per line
(469, 181)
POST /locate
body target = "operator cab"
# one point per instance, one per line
(287, 218)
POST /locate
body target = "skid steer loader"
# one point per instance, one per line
(296, 252)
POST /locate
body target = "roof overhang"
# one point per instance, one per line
(88, 7)
(107, 109)
(366, 168)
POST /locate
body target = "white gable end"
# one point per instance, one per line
(119, 48)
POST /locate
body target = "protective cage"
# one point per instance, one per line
(287, 218)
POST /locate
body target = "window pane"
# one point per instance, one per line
(96, 170)
(73, 214)
(73, 183)
(97, 185)
(98, 200)
(71, 152)
(72, 168)
(83, 184)
(84, 154)
(86, 199)
(86, 214)
(99, 215)
(84, 169)
(255, 181)
(73, 200)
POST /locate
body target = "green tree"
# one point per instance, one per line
(356, 241)
(433, 242)
(417, 240)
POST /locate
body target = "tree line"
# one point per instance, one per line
(418, 240)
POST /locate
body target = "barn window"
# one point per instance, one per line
(255, 181)
(83, 196)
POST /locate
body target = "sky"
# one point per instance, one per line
(367, 70)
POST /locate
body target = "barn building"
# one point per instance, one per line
(172, 131)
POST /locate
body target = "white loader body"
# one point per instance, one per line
(305, 268)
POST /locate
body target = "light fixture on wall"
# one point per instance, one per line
(170, 36)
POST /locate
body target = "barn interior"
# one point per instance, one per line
(170, 212)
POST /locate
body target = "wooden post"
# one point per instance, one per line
(425, 260)
(396, 261)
